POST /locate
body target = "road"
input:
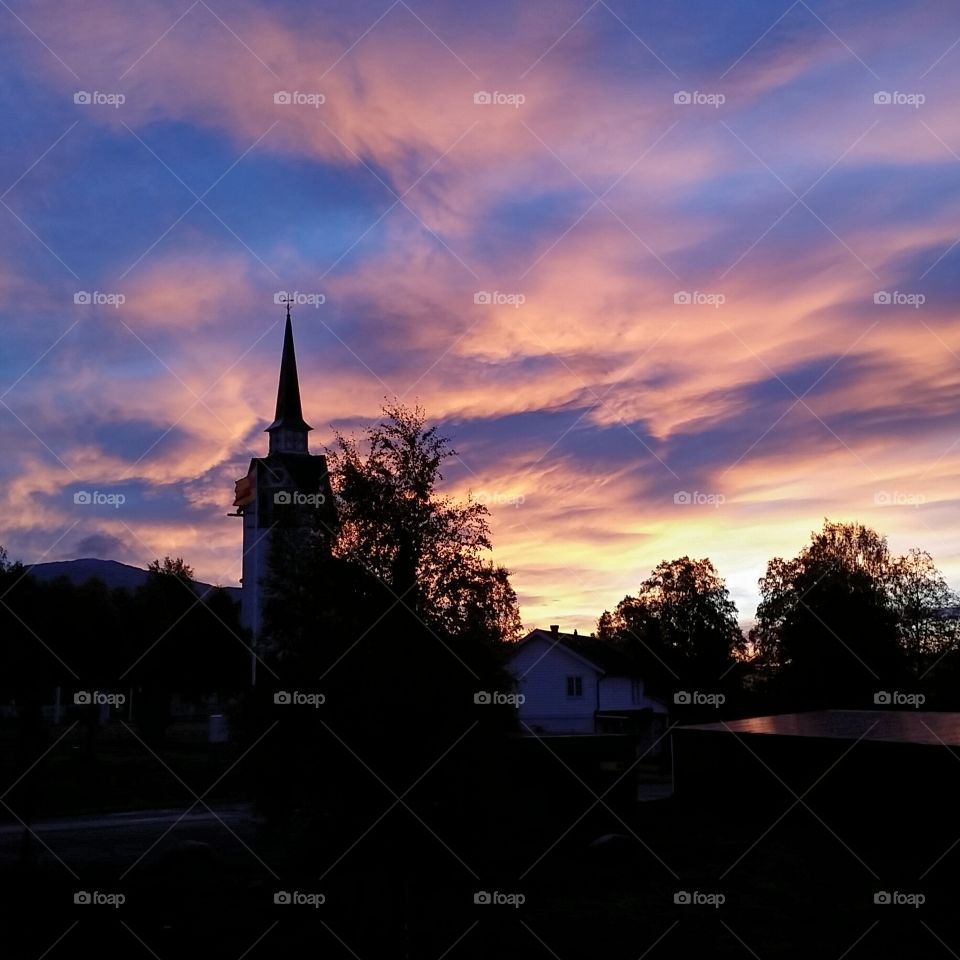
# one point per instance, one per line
(122, 838)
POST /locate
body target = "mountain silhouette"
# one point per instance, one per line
(111, 572)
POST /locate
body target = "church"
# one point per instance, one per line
(289, 487)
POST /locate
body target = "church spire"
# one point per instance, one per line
(288, 432)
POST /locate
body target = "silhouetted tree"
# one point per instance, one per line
(925, 608)
(825, 623)
(429, 549)
(29, 673)
(170, 567)
(681, 627)
(184, 643)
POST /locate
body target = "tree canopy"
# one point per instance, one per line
(681, 627)
(844, 617)
(430, 550)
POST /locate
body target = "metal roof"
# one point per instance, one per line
(896, 726)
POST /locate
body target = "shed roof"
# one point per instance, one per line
(897, 726)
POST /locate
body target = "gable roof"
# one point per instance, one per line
(597, 654)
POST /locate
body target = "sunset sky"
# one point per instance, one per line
(721, 243)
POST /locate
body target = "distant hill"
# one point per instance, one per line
(111, 572)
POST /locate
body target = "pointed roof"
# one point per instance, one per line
(289, 415)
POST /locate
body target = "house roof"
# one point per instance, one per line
(596, 653)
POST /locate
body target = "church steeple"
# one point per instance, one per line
(288, 432)
(287, 490)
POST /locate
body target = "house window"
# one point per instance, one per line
(574, 686)
(636, 691)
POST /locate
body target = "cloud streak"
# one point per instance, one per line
(751, 300)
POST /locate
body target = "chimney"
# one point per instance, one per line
(554, 627)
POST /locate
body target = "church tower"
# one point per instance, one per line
(289, 487)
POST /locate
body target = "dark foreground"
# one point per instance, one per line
(761, 883)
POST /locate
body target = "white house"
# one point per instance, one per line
(579, 685)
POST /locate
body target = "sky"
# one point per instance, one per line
(676, 279)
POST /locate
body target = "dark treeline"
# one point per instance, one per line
(160, 639)
(844, 624)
